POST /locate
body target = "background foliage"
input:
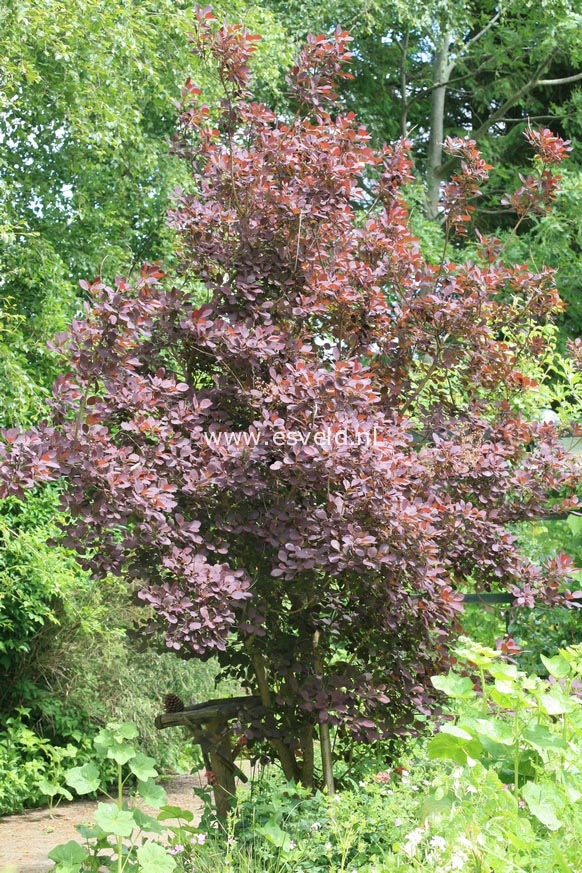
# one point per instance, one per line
(86, 111)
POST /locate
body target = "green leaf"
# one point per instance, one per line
(540, 737)
(104, 739)
(117, 732)
(83, 779)
(453, 685)
(482, 656)
(143, 767)
(572, 783)
(556, 702)
(558, 666)
(113, 820)
(90, 832)
(494, 729)
(574, 522)
(154, 795)
(49, 789)
(456, 731)
(506, 693)
(112, 742)
(168, 812)
(441, 747)
(522, 837)
(70, 853)
(541, 804)
(502, 670)
(121, 753)
(506, 687)
(152, 858)
(125, 730)
(455, 744)
(147, 822)
(276, 835)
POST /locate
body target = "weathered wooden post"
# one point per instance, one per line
(208, 725)
(222, 765)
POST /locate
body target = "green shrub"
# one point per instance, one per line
(498, 788)
(30, 765)
(73, 657)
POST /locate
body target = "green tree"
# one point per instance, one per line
(87, 92)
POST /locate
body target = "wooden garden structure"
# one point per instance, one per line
(208, 724)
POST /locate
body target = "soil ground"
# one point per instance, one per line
(26, 840)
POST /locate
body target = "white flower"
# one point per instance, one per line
(412, 841)
(471, 789)
(397, 822)
(460, 855)
(316, 826)
(438, 842)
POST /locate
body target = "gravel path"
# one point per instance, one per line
(26, 840)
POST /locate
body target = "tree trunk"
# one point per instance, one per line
(324, 737)
(326, 758)
(284, 753)
(404, 86)
(308, 756)
(442, 71)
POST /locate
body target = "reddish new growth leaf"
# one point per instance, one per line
(300, 472)
(550, 148)
(464, 185)
(230, 46)
(538, 191)
(319, 66)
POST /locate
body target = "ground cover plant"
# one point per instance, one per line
(120, 837)
(496, 787)
(300, 472)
